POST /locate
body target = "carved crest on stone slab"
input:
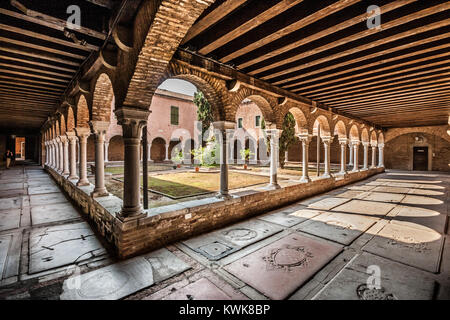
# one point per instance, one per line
(287, 257)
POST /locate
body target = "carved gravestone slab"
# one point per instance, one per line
(423, 201)
(57, 246)
(10, 203)
(202, 289)
(391, 189)
(411, 246)
(384, 197)
(339, 227)
(352, 194)
(40, 182)
(361, 188)
(372, 208)
(218, 244)
(284, 219)
(328, 203)
(44, 199)
(281, 267)
(421, 218)
(53, 213)
(9, 219)
(439, 194)
(113, 282)
(165, 264)
(5, 242)
(43, 189)
(397, 282)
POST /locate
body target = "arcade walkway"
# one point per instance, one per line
(389, 230)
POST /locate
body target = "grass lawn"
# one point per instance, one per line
(194, 183)
(151, 168)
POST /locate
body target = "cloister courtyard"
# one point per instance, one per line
(224, 150)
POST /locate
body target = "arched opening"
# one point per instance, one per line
(321, 129)
(103, 98)
(115, 148)
(158, 150)
(294, 150)
(70, 119)
(82, 119)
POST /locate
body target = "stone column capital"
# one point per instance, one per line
(355, 142)
(224, 125)
(273, 132)
(63, 139)
(305, 138)
(82, 132)
(381, 146)
(343, 141)
(327, 139)
(365, 144)
(99, 127)
(132, 121)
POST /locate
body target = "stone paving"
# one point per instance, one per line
(331, 246)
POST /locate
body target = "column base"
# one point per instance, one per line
(82, 183)
(72, 177)
(128, 214)
(99, 193)
(357, 170)
(65, 173)
(272, 187)
(326, 176)
(225, 196)
(305, 179)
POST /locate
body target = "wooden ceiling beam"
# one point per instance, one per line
(8, 71)
(26, 93)
(341, 26)
(392, 106)
(25, 86)
(32, 81)
(40, 56)
(211, 18)
(360, 48)
(310, 19)
(37, 64)
(51, 22)
(58, 75)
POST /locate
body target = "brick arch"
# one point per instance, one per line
(116, 148)
(103, 98)
(300, 115)
(82, 119)
(70, 119)
(56, 129)
(340, 129)
(365, 135)
(212, 88)
(263, 102)
(171, 21)
(381, 138)
(373, 138)
(62, 124)
(354, 133)
(325, 130)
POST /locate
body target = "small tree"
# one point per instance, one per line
(246, 154)
(204, 112)
(178, 157)
(287, 136)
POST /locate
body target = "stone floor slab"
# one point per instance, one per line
(384, 197)
(421, 200)
(282, 218)
(328, 203)
(110, 283)
(202, 289)
(391, 189)
(9, 186)
(411, 246)
(365, 207)
(43, 189)
(56, 246)
(338, 227)
(283, 266)
(44, 199)
(352, 194)
(165, 264)
(53, 213)
(9, 219)
(421, 218)
(221, 243)
(5, 242)
(397, 282)
(10, 203)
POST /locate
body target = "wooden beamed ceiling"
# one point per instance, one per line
(394, 76)
(40, 54)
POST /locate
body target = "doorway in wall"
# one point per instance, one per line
(420, 159)
(20, 148)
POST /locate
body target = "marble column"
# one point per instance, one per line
(167, 152)
(350, 157)
(381, 155)
(54, 154)
(78, 151)
(46, 153)
(99, 129)
(326, 145)
(149, 152)
(274, 135)
(83, 134)
(343, 144)
(72, 155)
(366, 155)
(65, 144)
(305, 139)
(106, 151)
(132, 121)
(59, 146)
(355, 144)
(286, 154)
(226, 131)
(374, 152)
(50, 152)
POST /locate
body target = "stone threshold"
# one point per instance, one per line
(167, 224)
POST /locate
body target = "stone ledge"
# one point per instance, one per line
(164, 225)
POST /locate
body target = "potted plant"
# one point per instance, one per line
(178, 158)
(245, 155)
(198, 155)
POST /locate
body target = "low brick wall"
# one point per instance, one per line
(172, 223)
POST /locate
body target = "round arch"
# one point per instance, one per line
(82, 119)
(354, 133)
(103, 98)
(340, 129)
(300, 120)
(380, 138)
(365, 135)
(373, 138)
(158, 149)
(324, 126)
(70, 119)
(62, 123)
(116, 148)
